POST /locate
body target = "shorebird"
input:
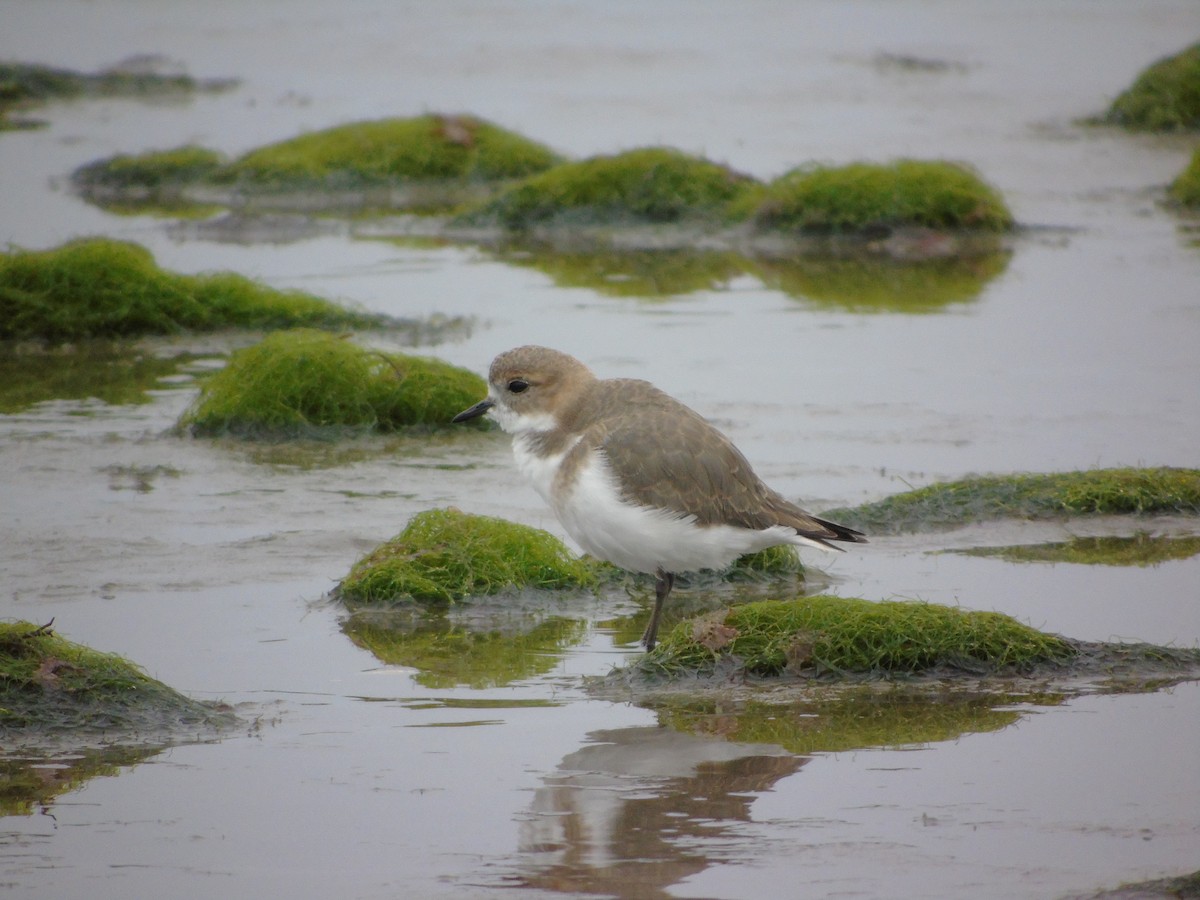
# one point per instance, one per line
(634, 476)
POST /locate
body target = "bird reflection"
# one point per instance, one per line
(639, 809)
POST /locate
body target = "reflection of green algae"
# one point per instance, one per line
(1165, 97)
(848, 720)
(873, 284)
(452, 656)
(112, 373)
(95, 287)
(24, 85)
(634, 273)
(648, 185)
(30, 780)
(815, 199)
(149, 183)
(1185, 189)
(1093, 492)
(305, 381)
(1142, 549)
(49, 684)
(445, 555)
(154, 171)
(848, 636)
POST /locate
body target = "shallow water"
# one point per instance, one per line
(207, 562)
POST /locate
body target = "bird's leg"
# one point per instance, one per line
(662, 587)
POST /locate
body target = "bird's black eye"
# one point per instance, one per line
(517, 385)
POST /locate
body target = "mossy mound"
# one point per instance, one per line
(49, 684)
(100, 288)
(1185, 190)
(24, 85)
(306, 382)
(1124, 491)
(444, 555)
(1141, 549)
(823, 635)
(152, 172)
(867, 197)
(651, 185)
(1165, 97)
(389, 151)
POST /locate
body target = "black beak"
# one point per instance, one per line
(475, 411)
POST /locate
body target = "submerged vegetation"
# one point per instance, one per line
(101, 288)
(1094, 492)
(1164, 97)
(822, 635)
(49, 684)
(23, 85)
(445, 555)
(864, 197)
(305, 382)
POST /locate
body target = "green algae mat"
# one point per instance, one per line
(1123, 491)
(101, 288)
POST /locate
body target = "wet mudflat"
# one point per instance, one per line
(359, 773)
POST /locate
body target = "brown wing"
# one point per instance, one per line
(678, 461)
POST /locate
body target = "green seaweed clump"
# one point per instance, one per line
(1125, 491)
(49, 684)
(156, 171)
(444, 555)
(390, 151)
(867, 197)
(650, 185)
(827, 635)
(305, 381)
(1165, 97)
(1185, 190)
(100, 288)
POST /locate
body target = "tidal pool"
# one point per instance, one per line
(359, 775)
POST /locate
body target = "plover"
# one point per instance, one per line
(634, 476)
